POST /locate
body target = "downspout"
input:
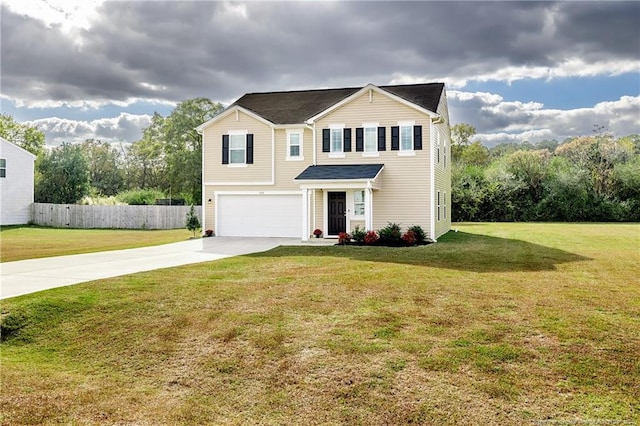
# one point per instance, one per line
(202, 195)
(432, 186)
(314, 144)
(314, 163)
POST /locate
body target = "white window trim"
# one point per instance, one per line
(405, 152)
(375, 152)
(4, 167)
(444, 205)
(336, 154)
(436, 135)
(238, 133)
(355, 216)
(438, 217)
(300, 157)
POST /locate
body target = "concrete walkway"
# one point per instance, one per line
(29, 276)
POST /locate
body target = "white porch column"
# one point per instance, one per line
(368, 209)
(305, 214)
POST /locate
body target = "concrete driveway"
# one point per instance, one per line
(29, 276)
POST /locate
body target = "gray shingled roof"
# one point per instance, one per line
(341, 172)
(298, 106)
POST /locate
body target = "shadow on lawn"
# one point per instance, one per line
(455, 250)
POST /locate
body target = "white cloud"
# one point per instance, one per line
(86, 105)
(498, 121)
(68, 15)
(123, 128)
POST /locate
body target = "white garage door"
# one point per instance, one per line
(264, 215)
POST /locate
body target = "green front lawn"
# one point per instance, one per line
(31, 242)
(504, 324)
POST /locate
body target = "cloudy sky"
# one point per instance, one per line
(517, 71)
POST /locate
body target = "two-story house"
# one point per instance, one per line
(283, 164)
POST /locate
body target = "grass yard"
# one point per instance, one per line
(31, 242)
(497, 324)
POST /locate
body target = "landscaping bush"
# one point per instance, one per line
(192, 222)
(409, 238)
(371, 238)
(421, 236)
(344, 238)
(11, 323)
(358, 235)
(390, 235)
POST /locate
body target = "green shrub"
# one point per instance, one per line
(140, 197)
(192, 222)
(390, 235)
(11, 324)
(358, 235)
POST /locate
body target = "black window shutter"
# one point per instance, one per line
(347, 140)
(326, 140)
(417, 137)
(382, 138)
(395, 138)
(225, 149)
(359, 139)
(250, 148)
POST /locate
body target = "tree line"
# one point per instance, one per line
(165, 163)
(585, 178)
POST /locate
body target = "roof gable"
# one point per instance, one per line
(293, 107)
(17, 148)
(300, 106)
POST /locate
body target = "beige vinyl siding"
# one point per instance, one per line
(404, 197)
(442, 170)
(215, 171)
(359, 223)
(287, 170)
(318, 206)
(208, 207)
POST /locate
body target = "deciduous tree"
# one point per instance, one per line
(62, 175)
(23, 135)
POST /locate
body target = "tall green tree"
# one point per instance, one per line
(475, 155)
(183, 146)
(62, 175)
(25, 136)
(105, 167)
(461, 135)
(146, 165)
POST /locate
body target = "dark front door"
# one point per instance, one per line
(337, 208)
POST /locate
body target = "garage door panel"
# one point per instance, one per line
(259, 215)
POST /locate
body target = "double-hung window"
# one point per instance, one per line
(237, 149)
(444, 205)
(3, 167)
(436, 134)
(406, 138)
(336, 141)
(358, 203)
(294, 145)
(371, 139)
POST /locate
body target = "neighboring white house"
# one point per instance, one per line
(16, 183)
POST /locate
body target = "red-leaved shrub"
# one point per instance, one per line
(371, 237)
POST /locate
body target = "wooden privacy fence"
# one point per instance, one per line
(123, 217)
